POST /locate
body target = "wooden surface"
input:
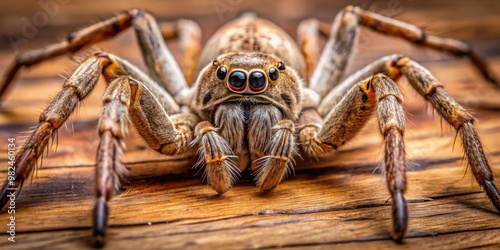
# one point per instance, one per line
(339, 202)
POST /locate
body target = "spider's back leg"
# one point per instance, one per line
(342, 39)
(160, 62)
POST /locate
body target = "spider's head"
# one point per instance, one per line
(248, 76)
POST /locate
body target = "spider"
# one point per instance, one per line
(254, 100)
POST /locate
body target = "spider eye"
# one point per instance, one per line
(237, 81)
(273, 74)
(257, 81)
(221, 73)
(281, 66)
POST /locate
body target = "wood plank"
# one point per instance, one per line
(340, 202)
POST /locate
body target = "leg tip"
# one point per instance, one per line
(271, 174)
(398, 237)
(98, 241)
(398, 234)
(221, 191)
(266, 188)
(220, 184)
(493, 194)
(101, 212)
(494, 81)
(399, 217)
(71, 36)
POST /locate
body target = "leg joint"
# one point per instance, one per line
(137, 13)
(422, 38)
(385, 87)
(286, 125)
(400, 61)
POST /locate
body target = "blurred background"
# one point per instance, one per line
(51, 20)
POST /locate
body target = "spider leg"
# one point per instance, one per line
(343, 37)
(159, 60)
(189, 34)
(75, 89)
(113, 129)
(418, 36)
(384, 65)
(336, 54)
(347, 118)
(309, 40)
(432, 90)
(75, 41)
(463, 122)
(164, 98)
(126, 97)
(309, 34)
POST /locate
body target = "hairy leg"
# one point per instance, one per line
(322, 136)
(384, 65)
(343, 37)
(418, 36)
(377, 93)
(159, 60)
(126, 97)
(309, 42)
(166, 100)
(110, 170)
(456, 115)
(75, 89)
(337, 53)
(189, 35)
(433, 91)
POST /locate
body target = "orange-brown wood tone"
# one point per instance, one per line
(339, 202)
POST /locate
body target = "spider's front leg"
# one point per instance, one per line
(458, 117)
(75, 89)
(347, 118)
(126, 97)
(110, 171)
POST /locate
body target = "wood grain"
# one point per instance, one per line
(340, 202)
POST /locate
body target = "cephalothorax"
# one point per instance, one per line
(257, 100)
